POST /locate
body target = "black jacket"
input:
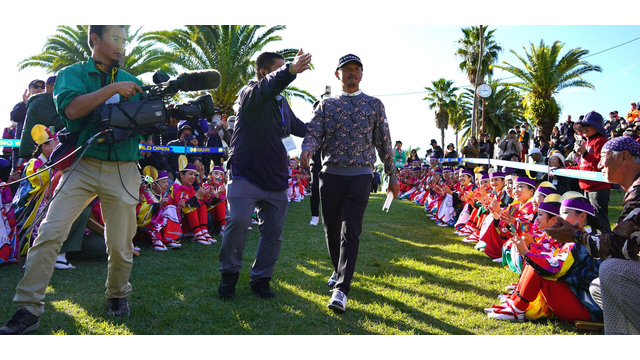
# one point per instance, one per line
(257, 153)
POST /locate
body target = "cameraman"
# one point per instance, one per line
(106, 170)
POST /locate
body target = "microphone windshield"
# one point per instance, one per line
(199, 80)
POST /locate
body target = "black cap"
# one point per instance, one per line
(348, 58)
(51, 80)
(35, 81)
(433, 141)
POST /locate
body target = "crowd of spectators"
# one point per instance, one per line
(504, 212)
(554, 231)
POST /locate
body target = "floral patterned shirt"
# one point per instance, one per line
(349, 130)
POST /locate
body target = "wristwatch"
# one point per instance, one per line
(577, 237)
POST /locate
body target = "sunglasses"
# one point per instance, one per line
(116, 40)
(38, 86)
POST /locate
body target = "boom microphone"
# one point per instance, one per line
(198, 80)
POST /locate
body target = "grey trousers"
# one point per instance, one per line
(242, 198)
(620, 291)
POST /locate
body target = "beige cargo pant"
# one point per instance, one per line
(91, 178)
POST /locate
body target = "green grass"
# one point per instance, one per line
(412, 277)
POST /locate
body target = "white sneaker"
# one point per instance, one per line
(338, 302)
(64, 265)
(498, 260)
(314, 220)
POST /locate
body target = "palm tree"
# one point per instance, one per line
(469, 51)
(460, 113)
(69, 46)
(545, 73)
(503, 110)
(441, 96)
(227, 48)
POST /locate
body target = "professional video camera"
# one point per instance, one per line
(130, 118)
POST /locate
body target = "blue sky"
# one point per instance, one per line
(401, 59)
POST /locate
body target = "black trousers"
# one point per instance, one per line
(344, 201)
(315, 190)
(600, 201)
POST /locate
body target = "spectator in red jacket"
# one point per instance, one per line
(594, 137)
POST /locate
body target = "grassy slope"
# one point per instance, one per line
(412, 277)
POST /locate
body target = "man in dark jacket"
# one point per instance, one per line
(40, 110)
(259, 176)
(437, 150)
(18, 115)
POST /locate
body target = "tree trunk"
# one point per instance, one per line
(546, 125)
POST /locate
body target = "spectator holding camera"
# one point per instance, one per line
(510, 145)
(185, 138)
(471, 150)
(218, 131)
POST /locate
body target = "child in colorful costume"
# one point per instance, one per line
(297, 182)
(219, 211)
(515, 220)
(562, 272)
(494, 197)
(34, 194)
(461, 195)
(483, 192)
(158, 215)
(192, 204)
(8, 238)
(511, 258)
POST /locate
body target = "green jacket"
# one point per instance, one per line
(399, 157)
(40, 110)
(83, 78)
